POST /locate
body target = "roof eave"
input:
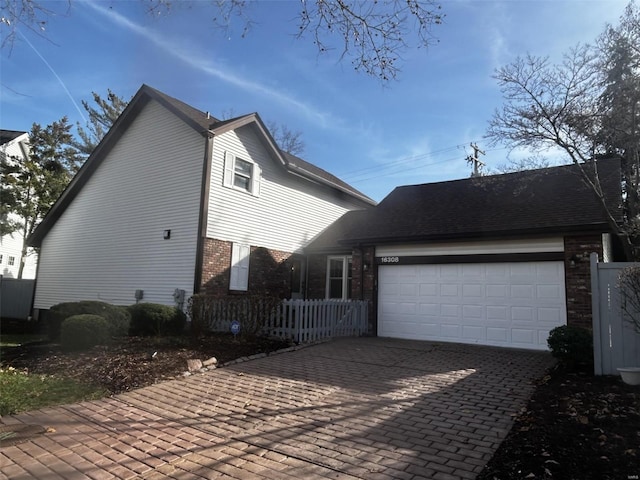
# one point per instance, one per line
(559, 230)
(316, 178)
(137, 103)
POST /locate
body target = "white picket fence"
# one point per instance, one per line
(305, 321)
(302, 321)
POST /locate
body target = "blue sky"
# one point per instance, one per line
(416, 129)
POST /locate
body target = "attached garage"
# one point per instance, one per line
(510, 304)
(498, 260)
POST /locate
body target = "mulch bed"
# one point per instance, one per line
(576, 426)
(133, 362)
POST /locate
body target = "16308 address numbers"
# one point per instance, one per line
(389, 259)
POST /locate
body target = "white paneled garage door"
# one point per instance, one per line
(503, 304)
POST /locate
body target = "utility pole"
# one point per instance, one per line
(475, 161)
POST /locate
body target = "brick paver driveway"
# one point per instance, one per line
(366, 408)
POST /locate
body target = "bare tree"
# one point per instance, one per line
(288, 140)
(33, 15)
(629, 285)
(372, 34)
(574, 109)
(532, 162)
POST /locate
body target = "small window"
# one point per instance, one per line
(339, 277)
(11, 261)
(241, 174)
(1, 257)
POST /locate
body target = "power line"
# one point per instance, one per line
(365, 170)
(395, 164)
(390, 168)
(404, 170)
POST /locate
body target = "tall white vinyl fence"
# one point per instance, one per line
(616, 344)
(301, 321)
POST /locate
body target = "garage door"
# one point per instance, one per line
(503, 304)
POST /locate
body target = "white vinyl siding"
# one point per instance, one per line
(109, 242)
(289, 212)
(11, 247)
(240, 255)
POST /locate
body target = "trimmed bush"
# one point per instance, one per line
(572, 346)
(117, 318)
(156, 319)
(80, 332)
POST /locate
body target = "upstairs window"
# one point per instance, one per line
(339, 277)
(12, 261)
(241, 174)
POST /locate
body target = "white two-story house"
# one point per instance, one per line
(173, 200)
(14, 147)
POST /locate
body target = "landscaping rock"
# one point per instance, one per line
(194, 364)
(211, 362)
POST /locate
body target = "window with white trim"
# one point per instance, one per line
(339, 277)
(241, 174)
(1, 258)
(11, 261)
(240, 255)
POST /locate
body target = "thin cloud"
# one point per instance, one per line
(75, 104)
(195, 61)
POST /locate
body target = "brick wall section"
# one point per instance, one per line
(216, 261)
(269, 270)
(578, 277)
(363, 281)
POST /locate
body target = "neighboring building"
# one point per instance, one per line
(173, 200)
(14, 147)
(497, 260)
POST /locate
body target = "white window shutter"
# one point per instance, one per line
(229, 166)
(240, 255)
(256, 179)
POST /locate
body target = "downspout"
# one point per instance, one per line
(306, 277)
(361, 271)
(204, 209)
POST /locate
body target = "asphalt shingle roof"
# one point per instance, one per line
(536, 201)
(7, 135)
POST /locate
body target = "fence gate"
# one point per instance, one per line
(615, 342)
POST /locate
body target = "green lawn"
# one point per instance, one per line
(20, 391)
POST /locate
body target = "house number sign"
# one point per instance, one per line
(384, 260)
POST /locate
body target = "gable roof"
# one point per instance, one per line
(550, 200)
(201, 122)
(8, 135)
